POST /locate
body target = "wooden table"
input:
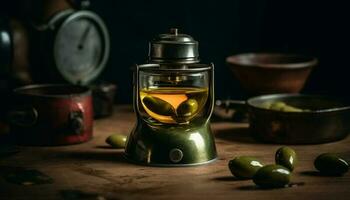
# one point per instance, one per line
(94, 170)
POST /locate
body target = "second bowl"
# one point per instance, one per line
(266, 73)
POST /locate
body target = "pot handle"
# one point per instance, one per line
(232, 104)
(23, 116)
(240, 113)
(76, 122)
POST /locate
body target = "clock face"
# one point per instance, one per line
(81, 48)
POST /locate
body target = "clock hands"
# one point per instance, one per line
(83, 38)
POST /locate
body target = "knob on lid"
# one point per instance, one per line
(173, 48)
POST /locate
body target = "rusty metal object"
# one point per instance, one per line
(51, 115)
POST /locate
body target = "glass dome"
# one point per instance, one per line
(174, 96)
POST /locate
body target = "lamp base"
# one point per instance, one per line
(167, 146)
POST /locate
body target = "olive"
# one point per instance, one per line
(278, 105)
(331, 164)
(286, 157)
(272, 176)
(116, 140)
(266, 105)
(158, 106)
(187, 108)
(244, 167)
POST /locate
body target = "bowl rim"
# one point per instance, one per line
(71, 91)
(266, 97)
(234, 61)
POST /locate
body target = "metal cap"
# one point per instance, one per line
(173, 48)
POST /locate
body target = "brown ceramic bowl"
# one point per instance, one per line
(266, 73)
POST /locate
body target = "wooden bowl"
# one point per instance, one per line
(267, 73)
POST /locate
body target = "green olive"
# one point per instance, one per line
(286, 157)
(158, 106)
(187, 108)
(266, 105)
(278, 105)
(288, 108)
(116, 140)
(244, 167)
(331, 164)
(272, 176)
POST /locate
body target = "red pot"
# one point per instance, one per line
(51, 115)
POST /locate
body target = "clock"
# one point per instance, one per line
(73, 47)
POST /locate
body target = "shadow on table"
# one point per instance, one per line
(9, 169)
(105, 156)
(255, 187)
(317, 173)
(106, 147)
(239, 134)
(226, 178)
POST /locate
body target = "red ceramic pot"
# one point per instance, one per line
(51, 115)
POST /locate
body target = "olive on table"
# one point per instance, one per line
(187, 108)
(278, 105)
(331, 164)
(116, 140)
(272, 176)
(244, 167)
(158, 106)
(286, 157)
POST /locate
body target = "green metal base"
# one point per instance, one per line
(167, 146)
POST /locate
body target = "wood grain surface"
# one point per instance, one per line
(95, 171)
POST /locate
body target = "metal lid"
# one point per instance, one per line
(158, 68)
(173, 48)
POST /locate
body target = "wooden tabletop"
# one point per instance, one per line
(94, 171)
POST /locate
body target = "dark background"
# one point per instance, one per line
(229, 27)
(224, 28)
